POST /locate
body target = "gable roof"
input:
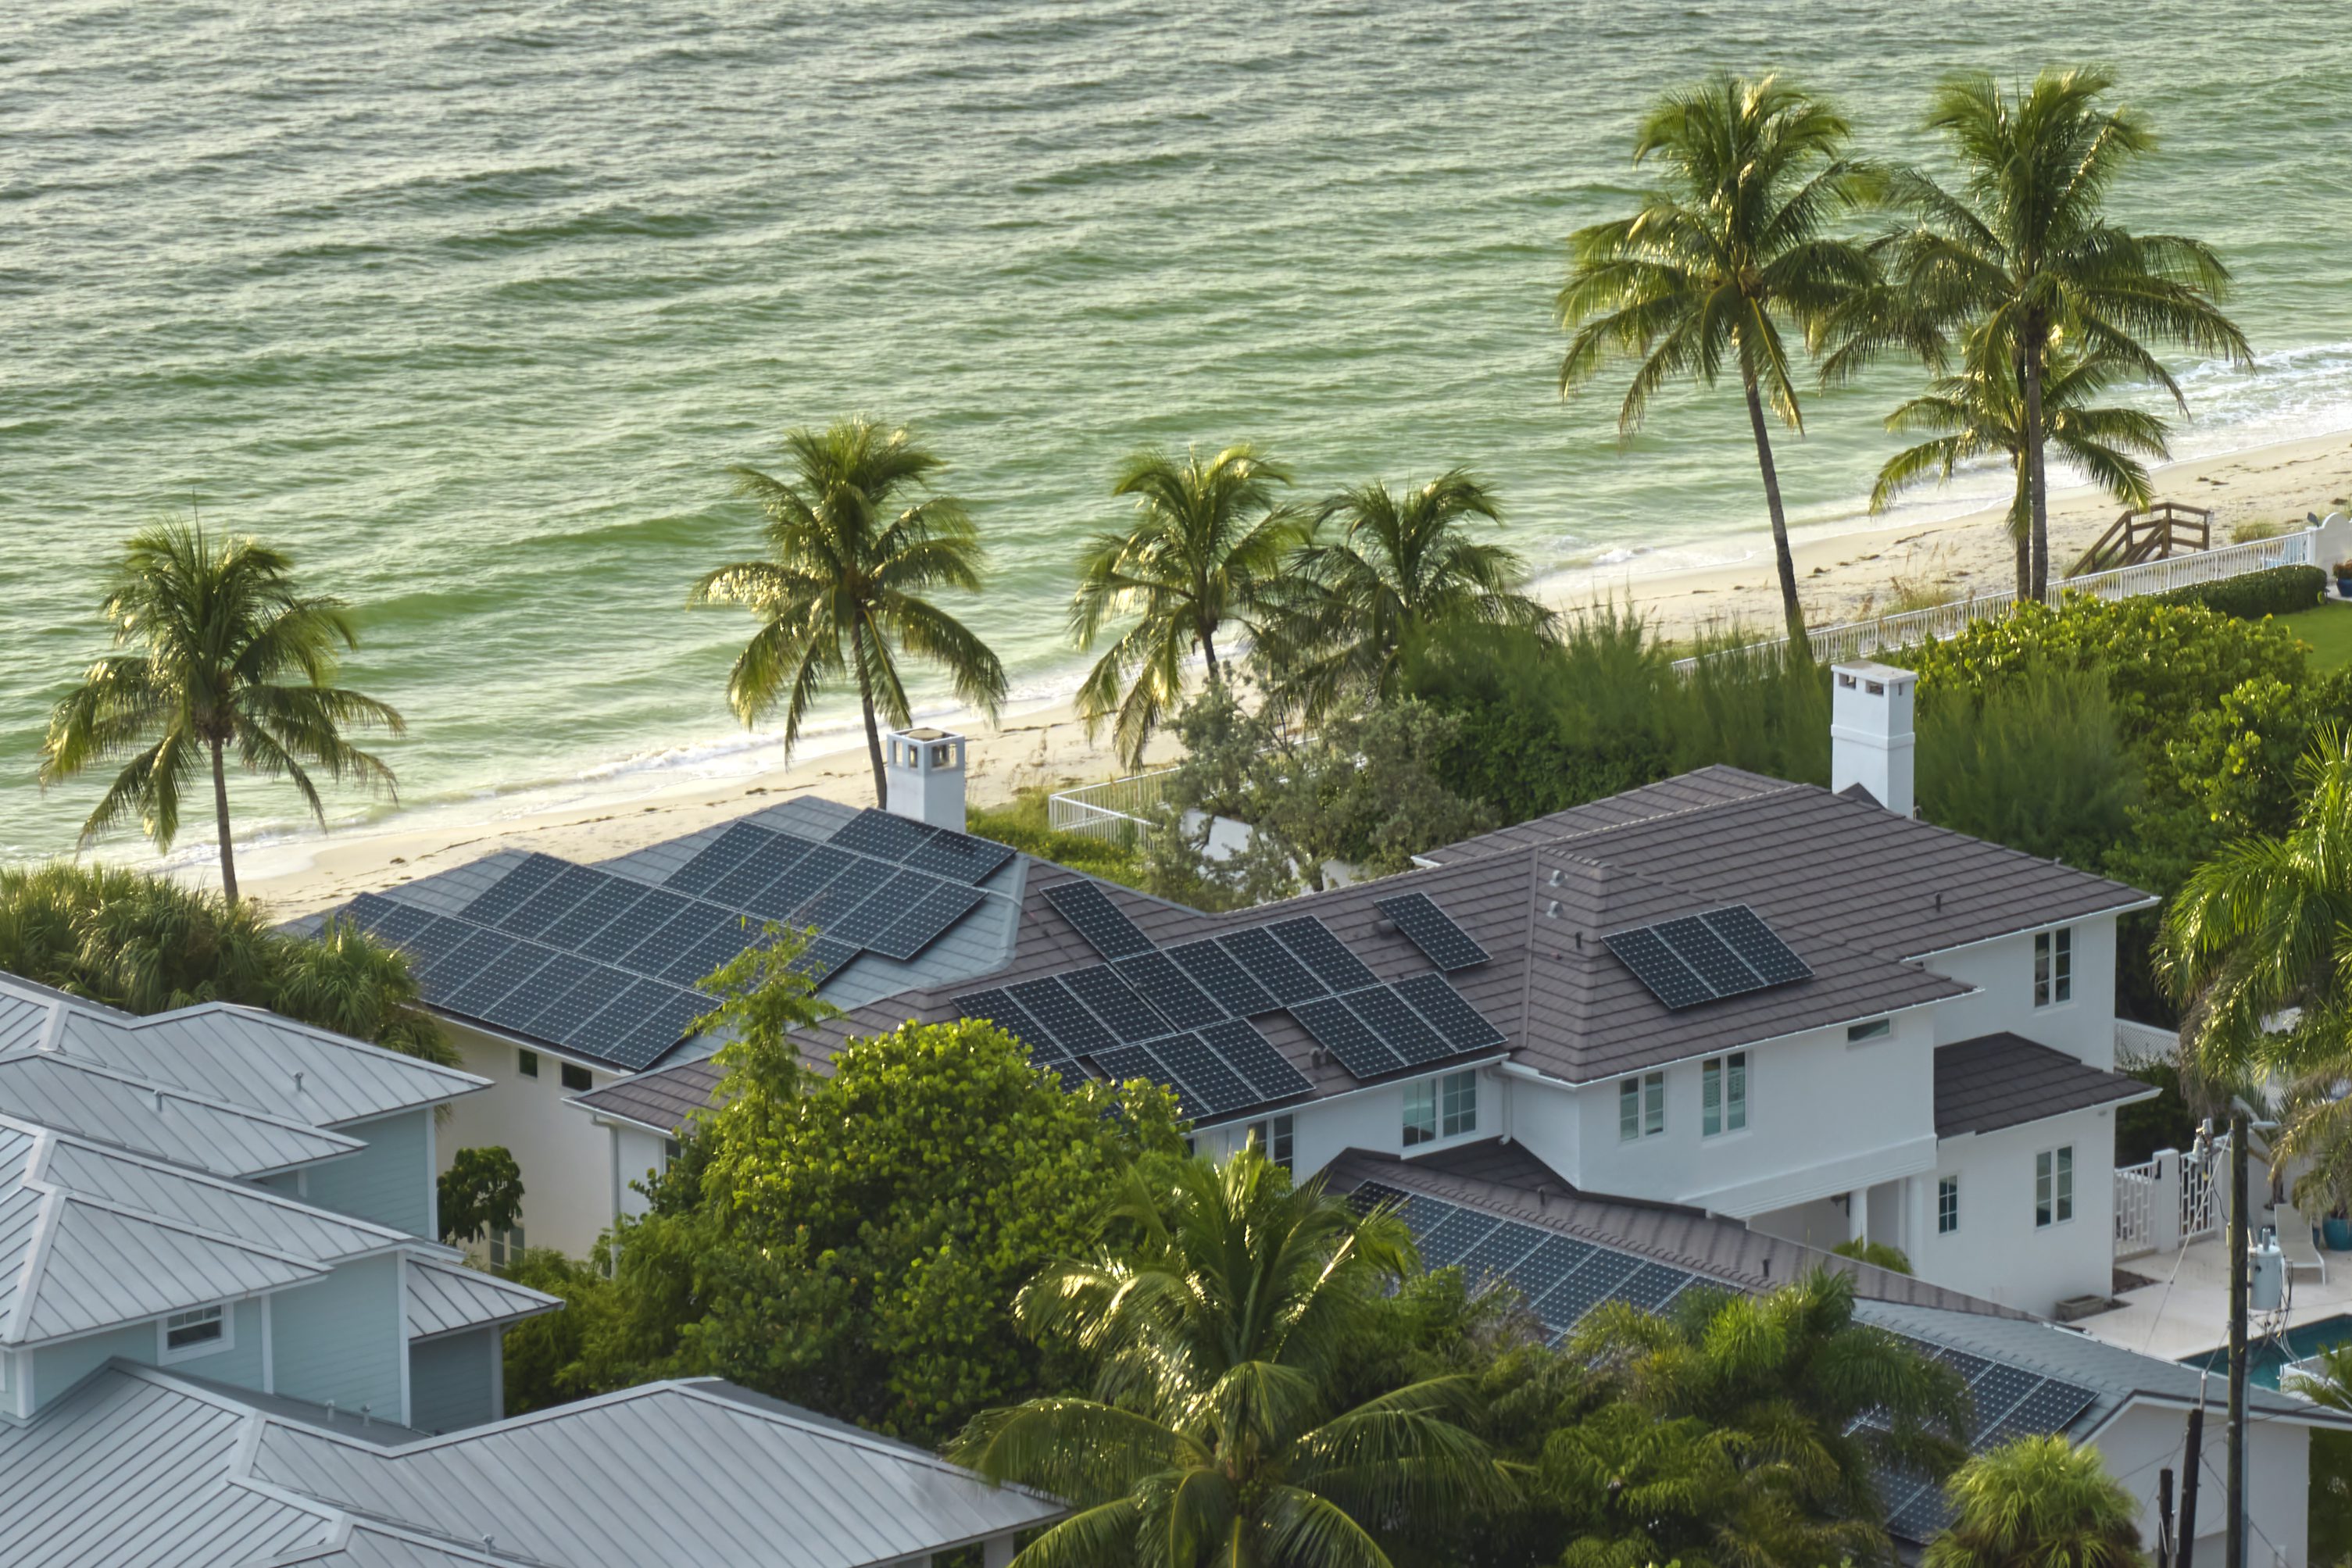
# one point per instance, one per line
(1998, 1080)
(72, 1095)
(450, 1298)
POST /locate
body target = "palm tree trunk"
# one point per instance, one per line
(1790, 610)
(1209, 650)
(220, 818)
(873, 733)
(2020, 531)
(2037, 479)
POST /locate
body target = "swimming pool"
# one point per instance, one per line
(2266, 1358)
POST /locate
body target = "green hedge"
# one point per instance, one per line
(2277, 590)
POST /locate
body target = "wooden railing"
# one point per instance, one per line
(2151, 535)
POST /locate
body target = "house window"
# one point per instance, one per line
(1421, 1113)
(506, 1247)
(2053, 967)
(2054, 1187)
(188, 1335)
(1459, 1105)
(1876, 1029)
(576, 1079)
(670, 1151)
(1640, 1106)
(1723, 1093)
(1273, 1139)
(1947, 1204)
(526, 1063)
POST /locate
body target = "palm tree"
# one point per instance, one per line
(2024, 252)
(1731, 246)
(850, 556)
(1980, 413)
(1401, 566)
(2039, 1502)
(1218, 1337)
(228, 657)
(1206, 548)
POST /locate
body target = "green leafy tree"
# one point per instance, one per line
(2037, 1502)
(480, 1192)
(2038, 763)
(1401, 569)
(147, 944)
(1980, 412)
(2023, 258)
(221, 655)
(1206, 550)
(1218, 1335)
(852, 555)
(1727, 254)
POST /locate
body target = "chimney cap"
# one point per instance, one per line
(929, 733)
(1872, 670)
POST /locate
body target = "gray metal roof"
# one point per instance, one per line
(139, 1466)
(1998, 1080)
(450, 1298)
(75, 1095)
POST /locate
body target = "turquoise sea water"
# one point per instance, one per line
(471, 305)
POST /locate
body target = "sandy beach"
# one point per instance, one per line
(1848, 571)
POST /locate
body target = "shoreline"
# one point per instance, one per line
(1847, 569)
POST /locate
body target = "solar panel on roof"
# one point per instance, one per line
(1995, 1395)
(1652, 1286)
(822, 959)
(717, 859)
(1603, 1274)
(1398, 1025)
(1461, 1026)
(1269, 964)
(1657, 967)
(1227, 983)
(715, 947)
(452, 971)
(1549, 1264)
(1709, 956)
(959, 857)
(1205, 1076)
(1429, 929)
(773, 855)
(635, 925)
(1704, 957)
(1158, 981)
(614, 895)
(1123, 1062)
(389, 918)
(1343, 1034)
(674, 937)
(555, 979)
(1493, 1257)
(1447, 1231)
(496, 979)
(1105, 926)
(567, 1014)
(1249, 1053)
(882, 834)
(926, 920)
(501, 898)
(886, 899)
(1757, 944)
(784, 899)
(1113, 1001)
(552, 902)
(997, 1007)
(1923, 1516)
(1077, 1031)
(432, 942)
(1326, 956)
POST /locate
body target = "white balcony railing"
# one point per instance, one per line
(1117, 809)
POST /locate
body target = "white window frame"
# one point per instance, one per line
(1640, 1106)
(2054, 1187)
(2053, 967)
(1458, 1104)
(1276, 1138)
(507, 1247)
(1872, 1029)
(1948, 1188)
(1420, 1112)
(167, 1353)
(1723, 1094)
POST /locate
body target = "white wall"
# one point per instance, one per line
(2084, 1026)
(1368, 1119)
(2148, 1438)
(565, 1158)
(636, 1154)
(1998, 1254)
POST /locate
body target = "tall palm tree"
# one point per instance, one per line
(1401, 566)
(222, 654)
(1218, 1337)
(1980, 411)
(851, 553)
(2038, 1500)
(1731, 246)
(1207, 548)
(2024, 251)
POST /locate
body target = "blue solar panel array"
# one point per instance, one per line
(607, 964)
(1707, 956)
(1563, 1278)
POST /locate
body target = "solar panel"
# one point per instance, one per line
(1326, 956)
(881, 907)
(1398, 1025)
(881, 834)
(1493, 1258)
(1451, 1230)
(609, 1034)
(676, 937)
(1250, 1053)
(834, 901)
(715, 947)
(666, 1022)
(1709, 956)
(1652, 1286)
(1269, 964)
(1603, 1274)
(959, 857)
(1105, 928)
(565, 1014)
(1122, 1062)
(1158, 981)
(1756, 943)
(552, 903)
(611, 897)
(1217, 1087)
(635, 924)
(1429, 929)
(557, 973)
(456, 968)
(504, 896)
(717, 859)
(1923, 1516)
(1371, 1195)
(784, 898)
(503, 973)
(1077, 1031)
(1116, 1003)
(822, 959)
(997, 1007)
(1228, 984)
(925, 920)
(394, 921)
(1461, 1026)
(1996, 1394)
(431, 944)
(2048, 1408)
(1654, 964)
(1549, 1264)
(1341, 1033)
(750, 875)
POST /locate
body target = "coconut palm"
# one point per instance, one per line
(2039, 1502)
(2023, 252)
(1205, 550)
(1980, 411)
(221, 655)
(1401, 566)
(852, 551)
(1730, 251)
(1218, 1337)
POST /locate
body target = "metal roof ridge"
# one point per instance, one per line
(204, 1179)
(1784, 787)
(276, 1021)
(227, 1107)
(28, 1276)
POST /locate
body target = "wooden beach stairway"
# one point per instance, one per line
(2150, 535)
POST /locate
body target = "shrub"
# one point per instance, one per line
(2277, 590)
(2037, 764)
(1025, 823)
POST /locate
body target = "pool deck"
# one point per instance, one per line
(2186, 1311)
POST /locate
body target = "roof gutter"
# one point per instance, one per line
(2148, 901)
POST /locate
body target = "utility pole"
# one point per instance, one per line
(2192, 1461)
(2164, 1549)
(2233, 1545)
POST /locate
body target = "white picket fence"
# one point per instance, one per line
(2184, 1182)
(1857, 638)
(1112, 811)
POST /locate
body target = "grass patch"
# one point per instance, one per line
(2328, 629)
(1025, 823)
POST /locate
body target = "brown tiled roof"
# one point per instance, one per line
(1998, 1080)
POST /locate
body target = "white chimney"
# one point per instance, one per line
(1871, 742)
(924, 769)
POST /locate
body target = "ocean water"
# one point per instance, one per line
(470, 306)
